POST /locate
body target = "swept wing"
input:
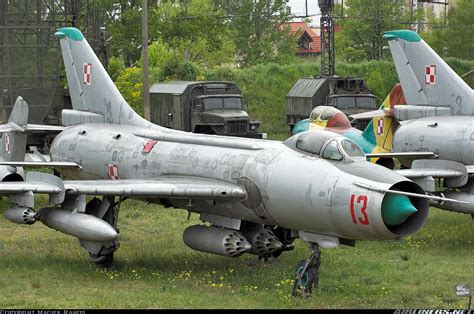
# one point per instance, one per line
(164, 186)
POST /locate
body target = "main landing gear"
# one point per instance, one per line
(102, 253)
(307, 273)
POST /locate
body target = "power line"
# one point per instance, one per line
(346, 17)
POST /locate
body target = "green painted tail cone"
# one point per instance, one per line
(396, 209)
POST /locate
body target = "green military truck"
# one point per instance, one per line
(350, 95)
(210, 107)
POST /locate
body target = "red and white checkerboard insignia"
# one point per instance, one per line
(430, 74)
(86, 71)
(113, 171)
(380, 124)
(7, 144)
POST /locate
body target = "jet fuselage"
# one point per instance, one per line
(285, 187)
(450, 137)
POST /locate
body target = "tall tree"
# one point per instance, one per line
(123, 19)
(194, 31)
(455, 40)
(259, 29)
(363, 26)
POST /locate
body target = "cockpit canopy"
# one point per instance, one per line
(329, 117)
(325, 144)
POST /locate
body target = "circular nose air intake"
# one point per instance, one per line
(404, 215)
(396, 209)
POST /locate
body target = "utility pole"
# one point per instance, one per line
(146, 89)
(378, 40)
(327, 38)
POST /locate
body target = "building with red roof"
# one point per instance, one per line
(309, 43)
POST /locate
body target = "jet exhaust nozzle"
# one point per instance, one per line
(220, 241)
(80, 225)
(22, 215)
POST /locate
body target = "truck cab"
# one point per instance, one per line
(350, 95)
(202, 107)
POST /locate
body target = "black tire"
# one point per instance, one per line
(106, 261)
(308, 280)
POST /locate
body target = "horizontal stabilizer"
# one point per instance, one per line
(13, 127)
(368, 114)
(44, 127)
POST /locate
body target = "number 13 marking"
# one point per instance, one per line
(362, 199)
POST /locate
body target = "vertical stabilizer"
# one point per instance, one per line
(379, 131)
(425, 77)
(90, 87)
(13, 145)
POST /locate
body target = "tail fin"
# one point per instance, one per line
(380, 130)
(91, 88)
(14, 142)
(426, 79)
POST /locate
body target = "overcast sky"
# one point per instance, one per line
(298, 8)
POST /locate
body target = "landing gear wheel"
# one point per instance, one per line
(307, 273)
(305, 281)
(102, 253)
(105, 261)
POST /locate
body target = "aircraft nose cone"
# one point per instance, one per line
(396, 209)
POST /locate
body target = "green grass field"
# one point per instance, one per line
(42, 268)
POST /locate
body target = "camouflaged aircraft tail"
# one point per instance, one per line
(92, 90)
(379, 131)
(426, 79)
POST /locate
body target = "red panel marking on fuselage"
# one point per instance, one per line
(113, 171)
(148, 146)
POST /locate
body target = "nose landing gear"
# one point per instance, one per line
(307, 273)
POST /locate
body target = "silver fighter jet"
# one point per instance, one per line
(438, 118)
(253, 196)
